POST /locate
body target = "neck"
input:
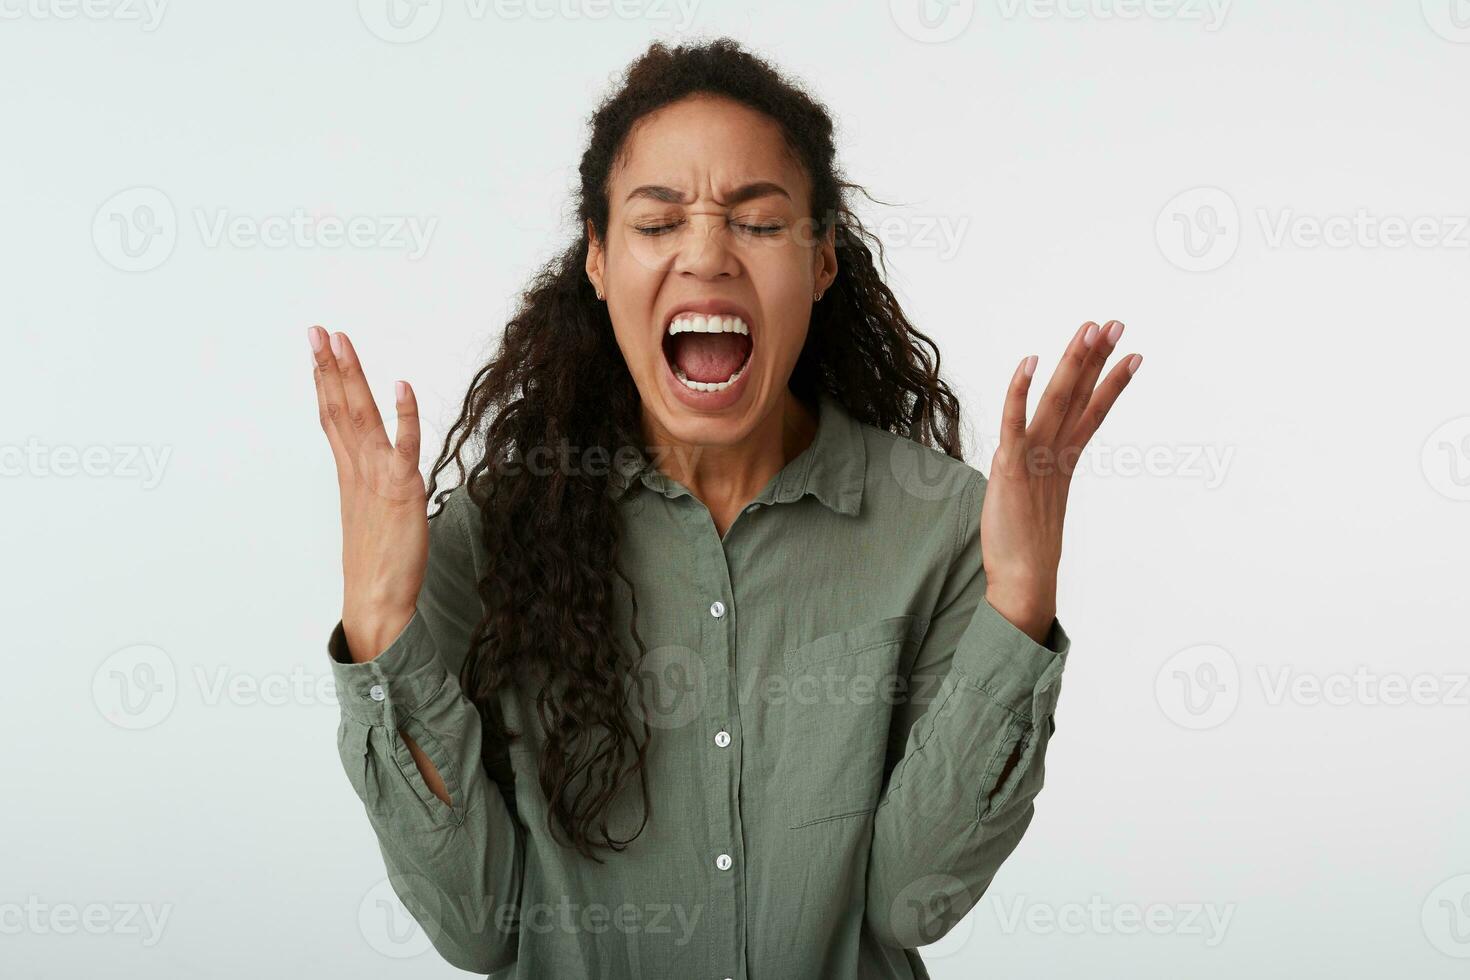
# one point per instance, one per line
(726, 478)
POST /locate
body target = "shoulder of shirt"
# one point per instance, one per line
(924, 485)
(457, 520)
(888, 451)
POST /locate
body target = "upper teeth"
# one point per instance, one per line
(699, 323)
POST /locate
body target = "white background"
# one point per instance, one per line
(1294, 511)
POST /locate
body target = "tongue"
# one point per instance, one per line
(709, 357)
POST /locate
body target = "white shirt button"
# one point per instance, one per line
(717, 609)
(376, 692)
(722, 739)
(723, 862)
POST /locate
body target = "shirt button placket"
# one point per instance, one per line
(721, 651)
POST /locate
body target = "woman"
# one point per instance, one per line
(718, 661)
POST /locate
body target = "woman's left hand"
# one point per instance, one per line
(1026, 495)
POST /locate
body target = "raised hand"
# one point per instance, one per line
(385, 530)
(1026, 495)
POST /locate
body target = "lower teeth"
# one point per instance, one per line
(707, 385)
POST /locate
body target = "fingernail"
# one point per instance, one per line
(1114, 332)
(1090, 335)
(1030, 367)
(1133, 363)
(400, 388)
(337, 344)
(314, 337)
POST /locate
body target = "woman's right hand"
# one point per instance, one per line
(385, 530)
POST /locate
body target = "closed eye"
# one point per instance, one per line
(654, 230)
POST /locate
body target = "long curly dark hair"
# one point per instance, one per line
(553, 579)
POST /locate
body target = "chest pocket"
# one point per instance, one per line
(840, 694)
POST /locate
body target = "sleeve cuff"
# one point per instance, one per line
(1014, 670)
(392, 685)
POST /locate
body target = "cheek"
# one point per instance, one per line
(631, 291)
(637, 263)
(633, 341)
(784, 282)
(786, 339)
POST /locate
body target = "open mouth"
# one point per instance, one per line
(707, 352)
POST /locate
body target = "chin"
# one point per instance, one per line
(725, 424)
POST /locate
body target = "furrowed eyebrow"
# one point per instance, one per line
(667, 195)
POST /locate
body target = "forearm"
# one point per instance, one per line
(410, 742)
(960, 798)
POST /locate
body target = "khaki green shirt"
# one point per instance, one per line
(847, 738)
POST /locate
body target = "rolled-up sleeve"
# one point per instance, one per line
(456, 867)
(974, 732)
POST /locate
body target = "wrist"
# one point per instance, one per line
(369, 635)
(1031, 612)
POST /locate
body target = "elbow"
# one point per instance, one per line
(482, 961)
(472, 922)
(475, 944)
(922, 913)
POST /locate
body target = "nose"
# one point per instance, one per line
(704, 250)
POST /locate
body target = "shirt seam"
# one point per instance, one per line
(993, 696)
(966, 497)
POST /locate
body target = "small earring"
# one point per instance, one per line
(599, 294)
(817, 295)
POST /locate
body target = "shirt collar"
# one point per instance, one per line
(832, 469)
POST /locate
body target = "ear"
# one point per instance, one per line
(824, 261)
(595, 258)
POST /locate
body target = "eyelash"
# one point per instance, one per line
(760, 230)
